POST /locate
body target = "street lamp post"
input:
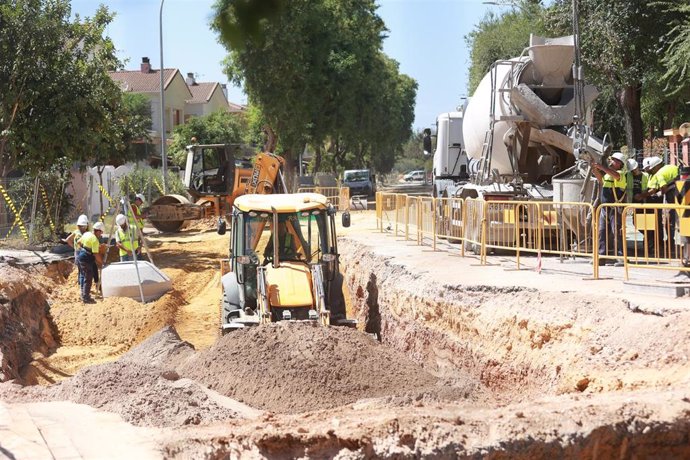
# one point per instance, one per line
(164, 156)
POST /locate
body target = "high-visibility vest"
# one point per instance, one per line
(126, 241)
(133, 221)
(614, 189)
(665, 175)
(90, 242)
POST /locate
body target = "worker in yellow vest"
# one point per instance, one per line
(74, 237)
(612, 179)
(126, 240)
(662, 182)
(638, 184)
(137, 220)
(89, 259)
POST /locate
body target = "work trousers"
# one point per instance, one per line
(87, 266)
(610, 231)
(672, 218)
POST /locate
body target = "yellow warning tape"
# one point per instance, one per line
(158, 186)
(110, 201)
(47, 205)
(17, 215)
(16, 219)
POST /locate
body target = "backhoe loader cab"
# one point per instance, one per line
(216, 169)
(283, 262)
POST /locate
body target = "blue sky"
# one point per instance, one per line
(425, 37)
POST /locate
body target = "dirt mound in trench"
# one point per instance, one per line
(142, 386)
(113, 321)
(297, 367)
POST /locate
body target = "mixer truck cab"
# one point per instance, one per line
(451, 166)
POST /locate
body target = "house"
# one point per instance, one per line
(679, 144)
(146, 81)
(184, 97)
(207, 97)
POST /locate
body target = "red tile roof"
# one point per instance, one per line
(201, 92)
(236, 107)
(138, 82)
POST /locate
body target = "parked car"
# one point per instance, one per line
(414, 176)
(360, 181)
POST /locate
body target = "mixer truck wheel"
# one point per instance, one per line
(169, 226)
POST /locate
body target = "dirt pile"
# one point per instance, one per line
(115, 321)
(298, 367)
(142, 395)
(24, 324)
(142, 386)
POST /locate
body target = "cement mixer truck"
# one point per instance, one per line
(517, 132)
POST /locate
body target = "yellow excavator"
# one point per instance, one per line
(215, 175)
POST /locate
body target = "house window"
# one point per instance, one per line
(177, 119)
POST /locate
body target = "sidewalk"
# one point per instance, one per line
(65, 430)
(568, 275)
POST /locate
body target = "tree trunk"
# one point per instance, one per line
(317, 160)
(629, 102)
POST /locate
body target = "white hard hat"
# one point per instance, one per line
(99, 226)
(120, 219)
(83, 221)
(140, 197)
(651, 163)
(619, 156)
(632, 164)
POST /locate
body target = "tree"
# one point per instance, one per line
(502, 37)
(312, 69)
(136, 125)
(220, 127)
(56, 97)
(676, 58)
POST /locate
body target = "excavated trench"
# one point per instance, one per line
(461, 370)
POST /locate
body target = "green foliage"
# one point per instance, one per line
(149, 182)
(318, 75)
(220, 127)
(56, 97)
(676, 58)
(53, 205)
(411, 156)
(240, 21)
(502, 36)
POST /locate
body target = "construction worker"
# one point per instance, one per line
(661, 185)
(73, 238)
(125, 239)
(612, 179)
(637, 184)
(89, 259)
(137, 220)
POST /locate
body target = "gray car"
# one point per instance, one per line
(360, 182)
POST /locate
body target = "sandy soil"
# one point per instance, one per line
(99, 333)
(466, 365)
